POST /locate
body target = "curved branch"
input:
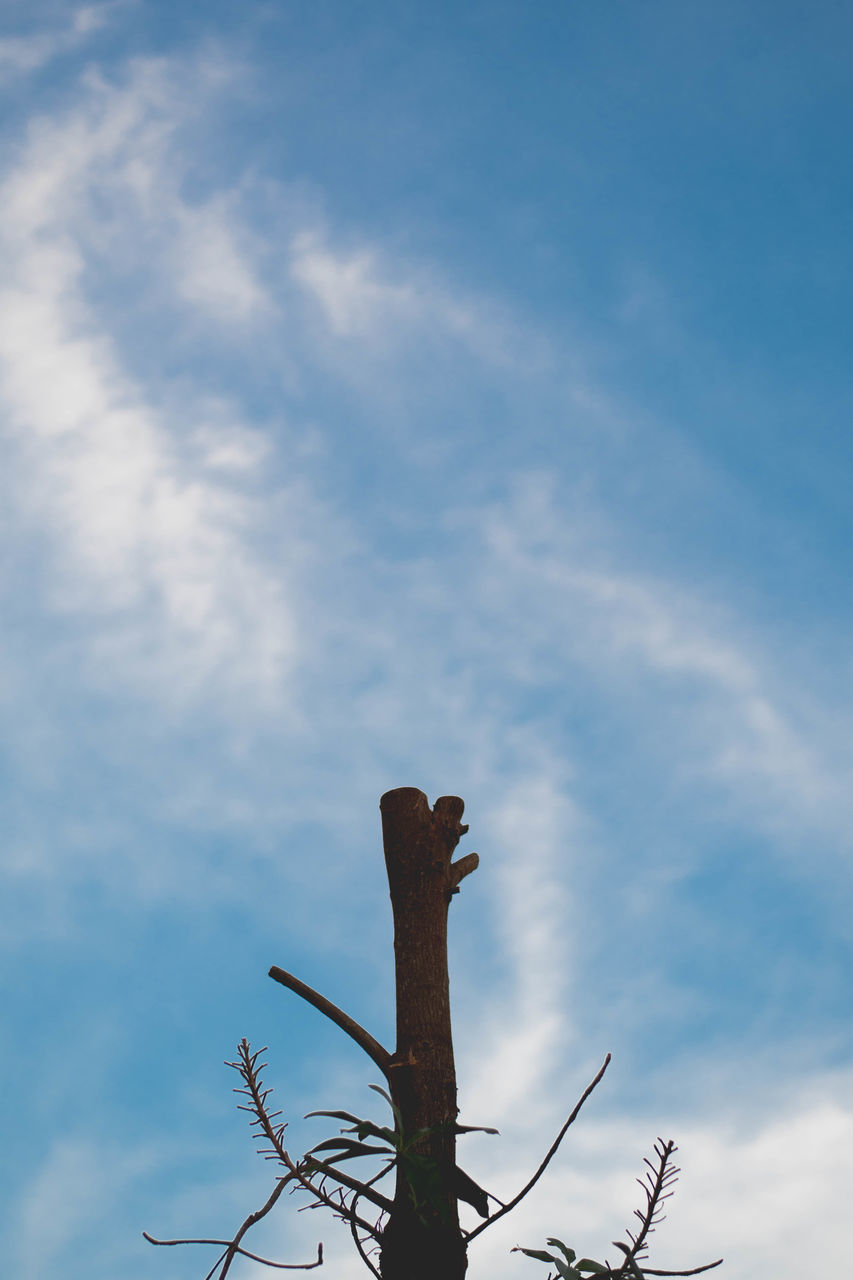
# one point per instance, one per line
(544, 1165)
(232, 1248)
(694, 1271)
(363, 1038)
(359, 1246)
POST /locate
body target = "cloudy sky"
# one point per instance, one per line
(452, 396)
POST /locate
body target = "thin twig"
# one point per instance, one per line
(363, 1038)
(361, 1253)
(250, 1222)
(257, 1093)
(544, 1165)
(353, 1184)
(342, 1210)
(694, 1271)
(251, 1074)
(229, 1245)
(232, 1247)
(654, 1186)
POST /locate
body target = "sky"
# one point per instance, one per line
(435, 395)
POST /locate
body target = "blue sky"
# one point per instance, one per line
(453, 396)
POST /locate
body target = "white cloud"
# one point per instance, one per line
(776, 1200)
(22, 54)
(78, 1190)
(142, 536)
(213, 269)
(354, 300)
(769, 1197)
(732, 712)
(532, 834)
(385, 306)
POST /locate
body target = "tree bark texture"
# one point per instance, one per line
(422, 1238)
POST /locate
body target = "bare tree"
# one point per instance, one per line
(414, 1233)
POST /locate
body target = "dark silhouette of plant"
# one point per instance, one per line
(414, 1233)
(657, 1184)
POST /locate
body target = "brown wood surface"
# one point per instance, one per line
(423, 1242)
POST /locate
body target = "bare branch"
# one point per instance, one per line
(655, 1185)
(463, 867)
(249, 1070)
(363, 1038)
(544, 1165)
(234, 1247)
(342, 1210)
(247, 1066)
(231, 1246)
(359, 1246)
(694, 1271)
(353, 1184)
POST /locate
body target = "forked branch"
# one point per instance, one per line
(232, 1247)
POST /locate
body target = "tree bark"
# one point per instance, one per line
(422, 1239)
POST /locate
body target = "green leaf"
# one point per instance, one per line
(347, 1144)
(364, 1128)
(331, 1163)
(564, 1248)
(367, 1129)
(539, 1254)
(398, 1119)
(587, 1264)
(335, 1115)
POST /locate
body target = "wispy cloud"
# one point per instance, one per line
(70, 1201)
(22, 54)
(394, 308)
(645, 636)
(153, 541)
(764, 1195)
(532, 834)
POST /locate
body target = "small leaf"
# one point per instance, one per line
(336, 1115)
(398, 1119)
(347, 1144)
(475, 1128)
(564, 1248)
(539, 1254)
(465, 1188)
(587, 1264)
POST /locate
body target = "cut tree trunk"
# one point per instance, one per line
(422, 1239)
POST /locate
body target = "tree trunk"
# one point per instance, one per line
(422, 1239)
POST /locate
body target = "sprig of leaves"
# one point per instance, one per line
(657, 1184)
(567, 1267)
(397, 1149)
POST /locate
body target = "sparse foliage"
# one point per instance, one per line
(657, 1185)
(415, 1233)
